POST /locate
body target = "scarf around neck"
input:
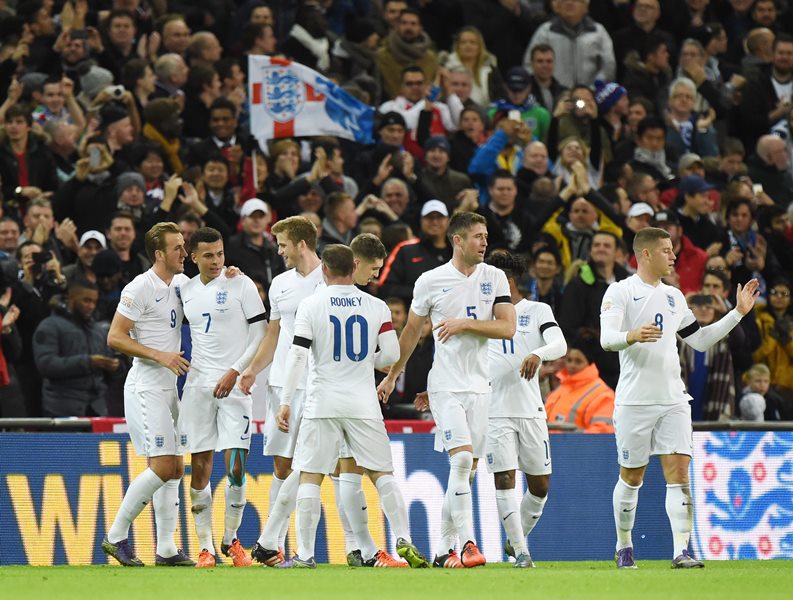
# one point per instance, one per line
(405, 52)
(171, 148)
(317, 46)
(656, 159)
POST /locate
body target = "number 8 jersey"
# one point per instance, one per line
(649, 371)
(343, 324)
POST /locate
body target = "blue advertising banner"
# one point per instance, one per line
(59, 494)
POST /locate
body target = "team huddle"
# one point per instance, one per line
(323, 343)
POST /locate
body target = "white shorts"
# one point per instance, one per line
(319, 443)
(152, 416)
(460, 420)
(518, 443)
(642, 431)
(276, 442)
(215, 423)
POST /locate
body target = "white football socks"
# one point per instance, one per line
(138, 495)
(350, 543)
(624, 501)
(280, 512)
(235, 505)
(510, 516)
(166, 517)
(351, 490)
(393, 505)
(309, 509)
(458, 492)
(448, 537)
(530, 511)
(201, 501)
(680, 510)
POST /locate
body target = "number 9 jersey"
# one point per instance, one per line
(343, 324)
(649, 371)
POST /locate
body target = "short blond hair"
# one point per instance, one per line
(756, 370)
(155, 237)
(297, 229)
(648, 237)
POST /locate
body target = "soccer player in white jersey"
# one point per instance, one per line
(147, 326)
(297, 243)
(226, 325)
(641, 318)
(517, 435)
(469, 302)
(342, 328)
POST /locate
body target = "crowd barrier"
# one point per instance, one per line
(59, 493)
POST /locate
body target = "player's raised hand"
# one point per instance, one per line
(385, 388)
(645, 333)
(225, 384)
(174, 361)
(422, 402)
(530, 365)
(446, 329)
(745, 296)
(282, 418)
(246, 381)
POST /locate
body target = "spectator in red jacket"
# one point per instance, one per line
(690, 263)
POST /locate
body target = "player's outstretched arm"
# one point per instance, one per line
(501, 327)
(407, 344)
(702, 338)
(262, 358)
(118, 339)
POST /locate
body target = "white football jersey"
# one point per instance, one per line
(287, 291)
(511, 394)
(460, 364)
(218, 313)
(650, 371)
(156, 309)
(343, 324)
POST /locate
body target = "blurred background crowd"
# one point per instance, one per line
(569, 124)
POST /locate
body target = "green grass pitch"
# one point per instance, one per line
(744, 580)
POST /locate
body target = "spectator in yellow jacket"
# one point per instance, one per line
(776, 328)
(583, 398)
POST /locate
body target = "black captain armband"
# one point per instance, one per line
(547, 325)
(502, 300)
(260, 317)
(688, 330)
(302, 342)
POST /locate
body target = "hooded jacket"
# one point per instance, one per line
(62, 348)
(582, 399)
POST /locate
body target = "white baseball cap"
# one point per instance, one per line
(93, 234)
(431, 206)
(252, 205)
(639, 209)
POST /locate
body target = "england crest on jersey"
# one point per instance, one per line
(486, 287)
(220, 297)
(283, 94)
(671, 300)
(178, 290)
(523, 320)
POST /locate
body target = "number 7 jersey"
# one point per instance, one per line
(343, 324)
(649, 371)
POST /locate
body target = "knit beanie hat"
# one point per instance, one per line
(128, 180)
(607, 94)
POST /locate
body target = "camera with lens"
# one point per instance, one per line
(39, 260)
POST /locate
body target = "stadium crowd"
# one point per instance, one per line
(570, 125)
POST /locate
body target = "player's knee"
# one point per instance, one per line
(505, 481)
(282, 467)
(462, 461)
(538, 486)
(236, 470)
